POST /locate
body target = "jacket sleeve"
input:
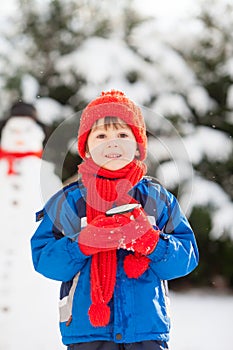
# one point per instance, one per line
(55, 254)
(176, 253)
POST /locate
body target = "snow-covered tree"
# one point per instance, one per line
(57, 41)
(195, 59)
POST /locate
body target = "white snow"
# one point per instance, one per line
(211, 143)
(30, 88)
(222, 221)
(228, 67)
(207, 193)
(170, 71)
(199, 99)
(171, 147)
(104, 64)
(172, 173)
(50, 110)
(167, 10)
(201, 320)
(96, 66)
(169, 105)
(7, 9)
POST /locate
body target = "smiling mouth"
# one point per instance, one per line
(113, 156)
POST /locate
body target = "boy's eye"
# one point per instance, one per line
(123, 135)
(100, 136)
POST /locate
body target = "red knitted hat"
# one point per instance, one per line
(113, 104)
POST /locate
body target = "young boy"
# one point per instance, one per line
(113, 237)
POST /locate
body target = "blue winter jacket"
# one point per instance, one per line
(139, 307)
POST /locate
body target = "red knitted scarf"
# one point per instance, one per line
(12, 156)
(104, 189)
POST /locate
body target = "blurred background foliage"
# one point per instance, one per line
(72, 50)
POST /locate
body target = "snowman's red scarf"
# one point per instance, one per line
(105, 188)
(12, 156)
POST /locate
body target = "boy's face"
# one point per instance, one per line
(112, 146)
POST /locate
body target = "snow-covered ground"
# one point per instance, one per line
(201, 320)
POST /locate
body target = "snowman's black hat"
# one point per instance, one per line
(23, 109)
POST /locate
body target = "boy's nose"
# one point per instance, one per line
(112, 143)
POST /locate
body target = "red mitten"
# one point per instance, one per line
(102, 234)
(139, 236)
(147, 241)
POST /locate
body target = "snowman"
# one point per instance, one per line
(28, 301)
